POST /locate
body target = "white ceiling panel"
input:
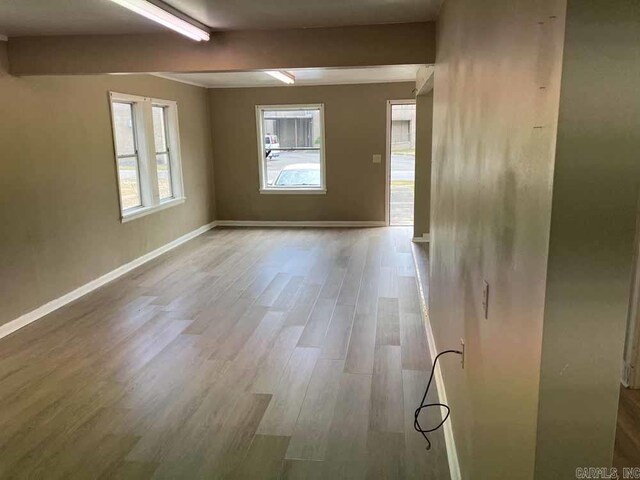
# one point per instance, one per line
(304, 76)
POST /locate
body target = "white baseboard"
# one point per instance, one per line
(423, 239)
(625, 374)
(53, 305)
(449, 440)
(286, 223)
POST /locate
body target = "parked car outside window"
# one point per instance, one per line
(299, 175)
(270, 143)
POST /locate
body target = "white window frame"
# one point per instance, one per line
(145, 143)
(262, 163)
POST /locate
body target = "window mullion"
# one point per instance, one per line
(147, 156)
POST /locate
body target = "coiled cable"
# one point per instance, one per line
(424, 405)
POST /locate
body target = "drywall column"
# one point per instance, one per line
(496, 82)
(595, 196)
(424, 131)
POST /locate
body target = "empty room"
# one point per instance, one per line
(319, 240)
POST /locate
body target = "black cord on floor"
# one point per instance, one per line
(423, 405)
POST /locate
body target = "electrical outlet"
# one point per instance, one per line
(485, 299)
(462, 349)
(377, 158)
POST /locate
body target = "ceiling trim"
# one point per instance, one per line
(313, 84)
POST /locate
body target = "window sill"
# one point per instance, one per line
(294, 191)
(144, 211)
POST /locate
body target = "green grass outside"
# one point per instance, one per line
(402, 183)
(404, 151)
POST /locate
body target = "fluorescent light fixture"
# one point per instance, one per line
(169, 20)
(285, 77)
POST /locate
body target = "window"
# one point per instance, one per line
(147, 148)
(127, 153)
(163, 164)
(291, 148)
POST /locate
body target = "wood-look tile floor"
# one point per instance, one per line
(245, 353)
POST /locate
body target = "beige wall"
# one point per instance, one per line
(424, 134)
(497, 83)
(59, 211)
(355, 129)
(595, 198)
(367, 45)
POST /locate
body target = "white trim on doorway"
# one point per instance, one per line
(631, 357)
(387, 181)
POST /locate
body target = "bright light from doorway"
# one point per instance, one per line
(402, 162)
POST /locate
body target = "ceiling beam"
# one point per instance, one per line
(358, 46)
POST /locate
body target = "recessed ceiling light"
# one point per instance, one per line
(163, 17)
(285, 77)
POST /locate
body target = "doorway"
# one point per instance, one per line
(626, 452)
(401, 161)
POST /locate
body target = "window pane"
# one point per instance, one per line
(164, 176)
(123, 125)
(162, 147)
(293, 168)
(292, 148)
(292, 128)
(129, 182)
(159, 129)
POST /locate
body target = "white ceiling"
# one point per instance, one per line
(304, 76)
(66, 17)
